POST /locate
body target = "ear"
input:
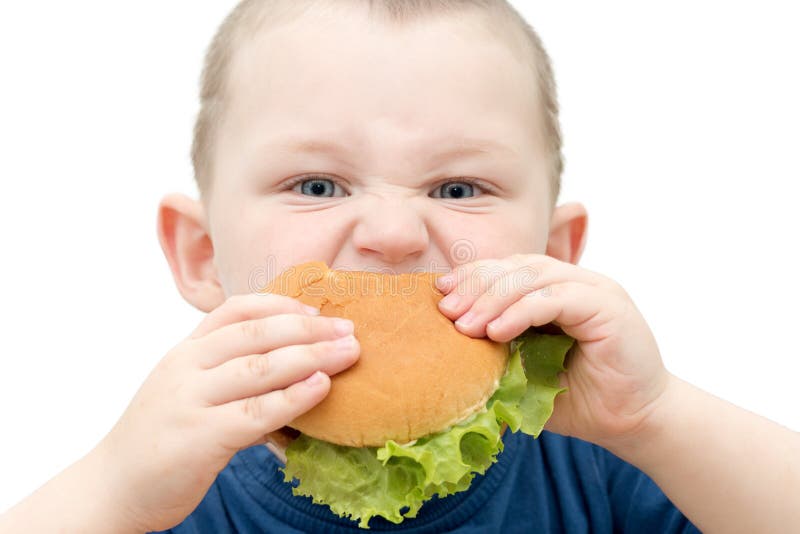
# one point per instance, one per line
(184, 238)
(567, 232)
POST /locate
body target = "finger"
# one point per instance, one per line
(471, 280)
(560, 421)
(278, 441)
(250, 306)
(245, 421)
(582, 311)
(278, 451)
(255, 374)
(448, 281)
(513, 286)
(259, 336)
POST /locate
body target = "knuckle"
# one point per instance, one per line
(485, 275)
(258, 366)
(526, 278)
(309, 325)
(519, 260)
(616, 288)
(292, 399)
(179, 353)
(553, 290)
(253, 408)
(252, 329)
(624, 293)
(320, 352)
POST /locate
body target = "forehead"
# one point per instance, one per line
(341, 73)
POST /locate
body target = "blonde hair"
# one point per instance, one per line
(249, 16)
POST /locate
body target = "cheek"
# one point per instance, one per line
(247, 251)
(522, 229)
(490, 236)
(259, 249)
(243, 264)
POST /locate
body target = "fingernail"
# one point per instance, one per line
(345, 345)
(465, 320)
(497, 323)
(343, 327)
(316, 379)
(450, 302)
(443, 283)
(311, 310)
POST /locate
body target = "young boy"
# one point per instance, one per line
(397, 135)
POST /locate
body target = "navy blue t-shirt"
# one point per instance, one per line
(550, 484)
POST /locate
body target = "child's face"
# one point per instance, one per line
(380, 117)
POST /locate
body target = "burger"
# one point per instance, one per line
(423, 409)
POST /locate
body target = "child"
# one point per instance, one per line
(402, 135)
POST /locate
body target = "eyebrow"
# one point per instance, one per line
(461, 148)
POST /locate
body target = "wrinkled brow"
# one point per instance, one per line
(451, 150)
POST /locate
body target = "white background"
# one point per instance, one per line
(681, 138)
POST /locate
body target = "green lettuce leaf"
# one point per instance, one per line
(394, 481)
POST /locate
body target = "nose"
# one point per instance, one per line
(390, 231)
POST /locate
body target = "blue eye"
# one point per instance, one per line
(456, 190)
(318, 187)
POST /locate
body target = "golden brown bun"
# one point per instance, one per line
(416, 375)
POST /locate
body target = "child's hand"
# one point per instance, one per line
(248, 369)
(614, 372)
